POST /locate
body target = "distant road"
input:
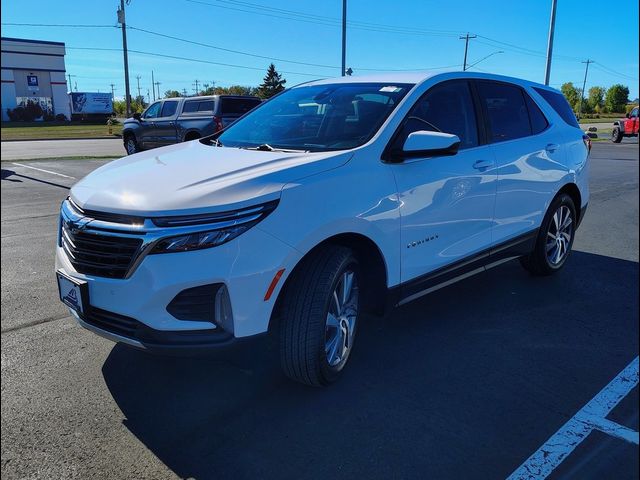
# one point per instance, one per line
(62, 148)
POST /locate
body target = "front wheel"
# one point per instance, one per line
(616, 135)
(555, 238)
(319, 316)
(130, 145)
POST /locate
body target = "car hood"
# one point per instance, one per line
(193, 177)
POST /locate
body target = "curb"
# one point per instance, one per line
(114, 137)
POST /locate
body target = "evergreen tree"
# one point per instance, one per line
(272, 83)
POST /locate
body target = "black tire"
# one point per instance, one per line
(303, 311)
(538, 262)
(191, 136)
(616, 135)
(130, 144)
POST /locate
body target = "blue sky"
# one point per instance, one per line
(405, 34)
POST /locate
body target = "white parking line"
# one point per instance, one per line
(43, 170)
(590, 417)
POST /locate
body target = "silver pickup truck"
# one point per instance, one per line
(174, 120)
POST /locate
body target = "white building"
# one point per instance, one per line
(34, 70)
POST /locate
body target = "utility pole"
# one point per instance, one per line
(69, 77)
(127, 93)
(343, 72)
(584, 84)
(148, 96)
(153, 86)
(76, 85)
(184, 92)
(158, 86)
(552, 29)
(466, 39)
(196, 86)
(138, 77)
(113, 89)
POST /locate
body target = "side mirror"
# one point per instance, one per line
(628, 115)
(137, 116)
(430, 144)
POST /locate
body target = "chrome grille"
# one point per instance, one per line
(93, 253)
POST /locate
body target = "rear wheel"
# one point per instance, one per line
(555, 238)
(319, 315)
(616, 135)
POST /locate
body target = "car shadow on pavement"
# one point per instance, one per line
(464, 383)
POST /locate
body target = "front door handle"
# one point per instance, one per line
(552, 147)
(482, 164)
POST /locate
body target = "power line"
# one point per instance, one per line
(71, 25)
(258, 9)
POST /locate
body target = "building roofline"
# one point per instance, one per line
(44, 42)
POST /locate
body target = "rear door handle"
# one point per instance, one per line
(552, 147)
(482, 164)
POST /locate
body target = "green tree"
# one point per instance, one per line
(616, 98)
(272, 83)
(596, 98)
(172, 94)
(572, 94)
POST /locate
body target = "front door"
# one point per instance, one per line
(147, 130)
(446, 203)
(165, 124)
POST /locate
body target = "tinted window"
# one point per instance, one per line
(237, 106)
(634, 113)
(169, 108)
(560, 105)
(445, 108)
(153, 110)
(537, 118)
(193, 106)
(506, 109)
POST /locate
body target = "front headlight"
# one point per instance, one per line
(224, 227)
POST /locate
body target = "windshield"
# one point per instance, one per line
(316, 118)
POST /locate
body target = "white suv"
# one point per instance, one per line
(335, 197)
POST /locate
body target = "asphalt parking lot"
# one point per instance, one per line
(468, 382)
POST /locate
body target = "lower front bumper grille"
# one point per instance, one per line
(133, 329)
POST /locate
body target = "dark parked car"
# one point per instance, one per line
(175, 120)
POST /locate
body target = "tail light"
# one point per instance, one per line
(218, 121)
(587, 142)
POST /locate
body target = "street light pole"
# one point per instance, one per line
(127, 93)
(466, 48)
(343, 72)
(552, 29)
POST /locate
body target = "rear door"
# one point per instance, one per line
(529, 153)
(165, 124)
(232, 108)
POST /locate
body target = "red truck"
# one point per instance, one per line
(626, 127)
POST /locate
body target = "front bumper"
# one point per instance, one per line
(137, 305)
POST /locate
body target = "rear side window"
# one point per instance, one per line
(169, 108)
(194, 106)
(506, 110)
(560, 105)
(237, 106)
(537, 118)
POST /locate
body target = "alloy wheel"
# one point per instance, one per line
(341, 320)
(559, 235)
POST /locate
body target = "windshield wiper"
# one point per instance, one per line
(265, 147)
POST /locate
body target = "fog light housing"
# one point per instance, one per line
(223, 312)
